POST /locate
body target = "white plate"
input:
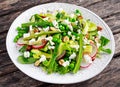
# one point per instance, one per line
(37, 73)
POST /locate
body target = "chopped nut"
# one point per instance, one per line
(61, 61)
(37, 63)
(87, 35)
(53, 29)
(36, 30)
(99, 28)
(80, 17)
(92, 42)
(96, 39)
(65, 39)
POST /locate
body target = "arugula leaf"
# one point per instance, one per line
(106, 50)
(104, 41)
(23, 60)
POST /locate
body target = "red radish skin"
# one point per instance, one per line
(29, 47)
(44, 42)
(86, 66)
(93, 54)
(19, 42)
(37, 46)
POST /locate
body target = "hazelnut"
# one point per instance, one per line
(61, 61)
(53, 29)
(65, 39)
(37, 63)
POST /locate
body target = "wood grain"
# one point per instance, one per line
(10, 6)
(10, 76)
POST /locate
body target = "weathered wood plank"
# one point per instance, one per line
(9, 6)
(105, 8)
(16, 79)
(117, 44)
(7, 69)
(114, 23)
(84, 3)
(4, 60)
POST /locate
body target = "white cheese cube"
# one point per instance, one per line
(87, 58)
(66, 63)
(72, 56)
(69, 33)
(79, 31)
(51, 47)
(73, 38)
(26, 35)
(43, 58)
(99, 34)
(70, 26)
(55, 23)
(66, 21)
(75, 46)
(72, 15)
(30, 27)
(26, 54)
(46, 29)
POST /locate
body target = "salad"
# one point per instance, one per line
(60, 42)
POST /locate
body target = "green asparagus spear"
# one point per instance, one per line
(79, 57)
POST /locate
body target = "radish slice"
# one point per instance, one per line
(85, 65)
(20, 42)
(37, 46)
(44, 42)
(94, 51)
(86, 62)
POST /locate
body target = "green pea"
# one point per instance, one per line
(73, 20)
(17, 36)
(77, 11)
(71, 66)
(20, 34)
(64, 33)
(54, 39)
(62, 27)
(18, 29)
(67, 28)
(58, 15)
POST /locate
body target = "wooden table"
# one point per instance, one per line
(10, 76)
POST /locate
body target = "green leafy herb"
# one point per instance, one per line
(23, 60)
